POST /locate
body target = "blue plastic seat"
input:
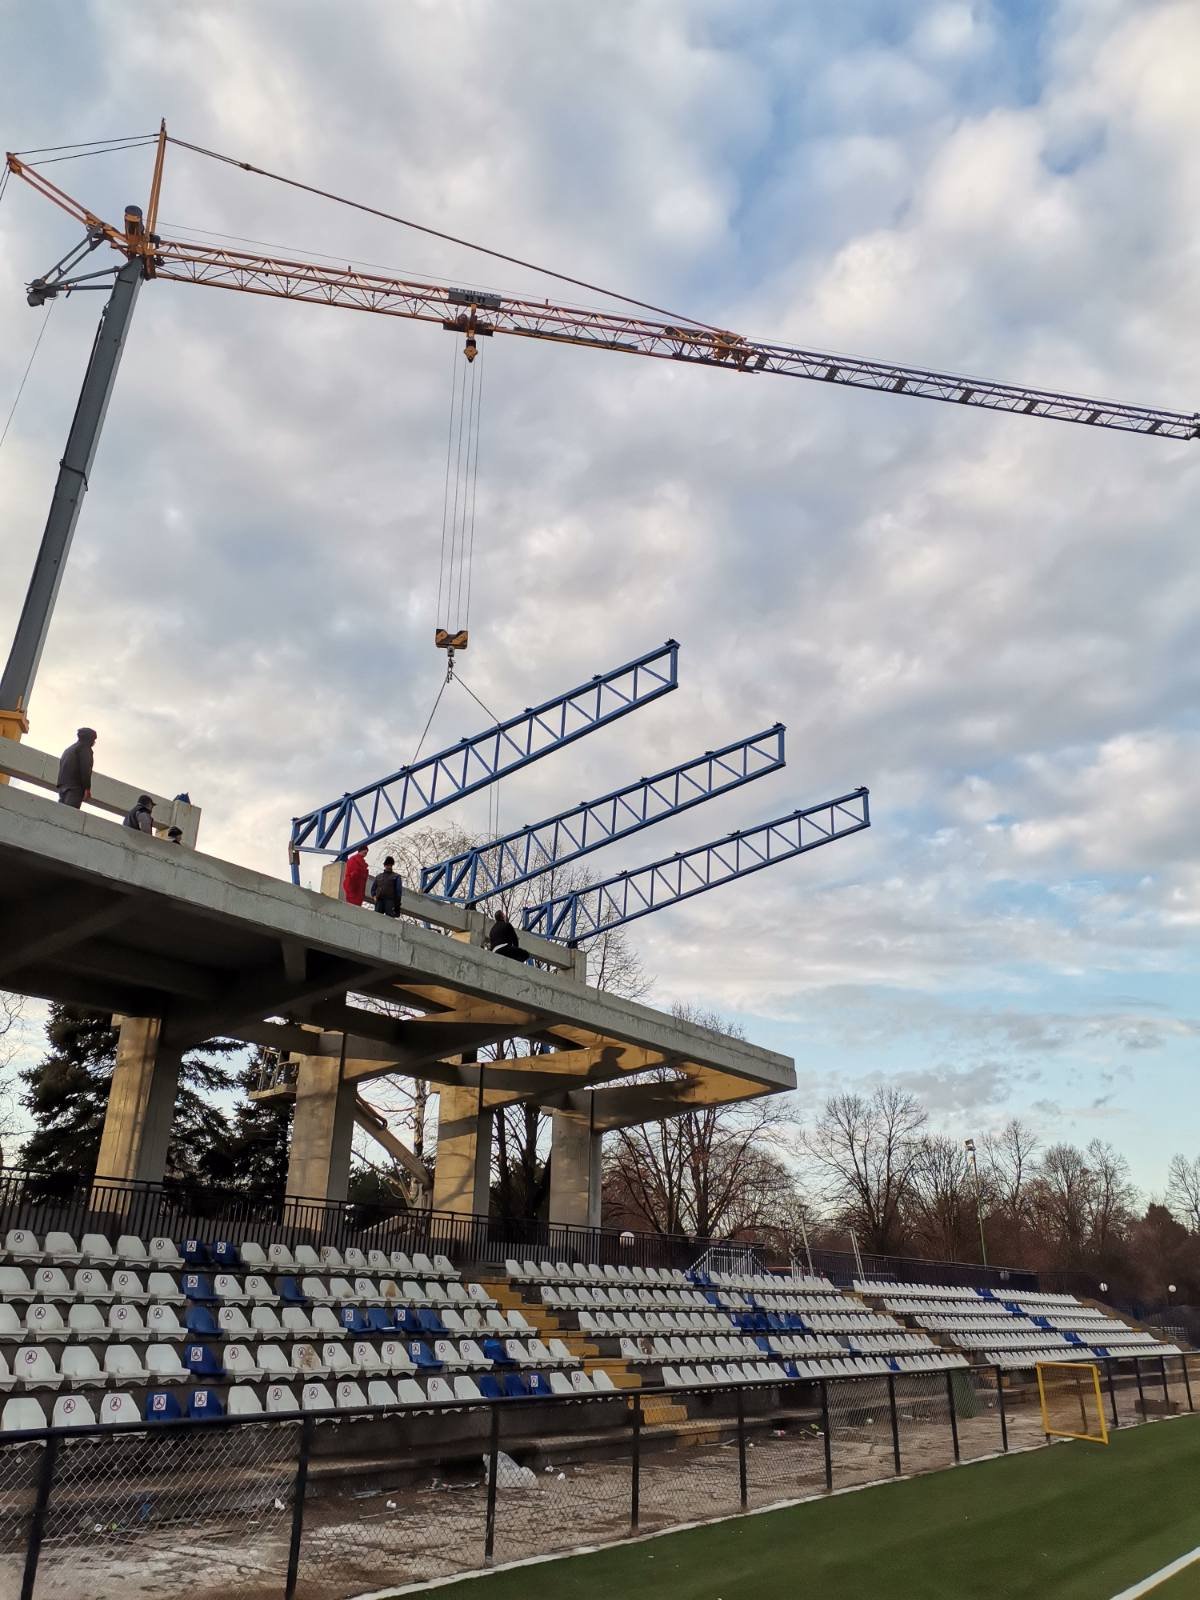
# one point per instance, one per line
(162, 1406)
(764, 1344)
(199, 1321)
(791, 1370)
(494, 1350)
(195, 1252)
(409, 1320)
(379, 1320)
(893, 1363)
(204, 1405)
(423, 1357)
(290, 1293)
(539, 1385)
(352, 1319)
(795, 1322)
(202, 1361)
(225, 1255)
(196, 1287)
(714, 1299)
(490, 1388)
(515, 1386)
(430, 1321)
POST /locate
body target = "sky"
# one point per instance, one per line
(991, 621)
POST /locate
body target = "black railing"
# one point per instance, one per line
(178, 1209)
(240, 1495)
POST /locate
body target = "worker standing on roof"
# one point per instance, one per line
(354, 879)
(75, 770)
(385, 890)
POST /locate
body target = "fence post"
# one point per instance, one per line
(37, 1524)
(1003, 1412)
(1162, 1367)
(635, 1485)
(826, 1436)
(953, 1413)
(741, 1425)
(1187, 1382)
(299, 1489)
(489, 1536)
(895, 1420)
(1112, 1392)
(1137, 1368)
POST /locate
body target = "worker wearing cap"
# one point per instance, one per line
(75, 770)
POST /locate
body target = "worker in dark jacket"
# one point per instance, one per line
(502, 938)
(140, 816)
(385, 890)
(75, 770)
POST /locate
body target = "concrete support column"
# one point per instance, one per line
(574, 1170)
(322, 1131)
(462, 1174)
(141, 1105)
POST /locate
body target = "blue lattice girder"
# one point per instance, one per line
(414, 792)
(583, 913)
(527, 852)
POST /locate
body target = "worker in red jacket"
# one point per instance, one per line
(354, 879)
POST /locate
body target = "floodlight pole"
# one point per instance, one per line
(970, 1145)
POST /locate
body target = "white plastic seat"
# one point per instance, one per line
(163, 1323)
(126, 1285)
(306, 1258)
(165, 1289)
(423, 1267)
(95, 1247)
(80, 1369)
(44, 1321)
(560, 1383)
(232, 1322)
(349, 1396)
(242, 1401)
(324, 1322)
(313, 1289)
(451, 1321)
(51, 1284)
(257, 1289)
(471, 1354)
(163, 1253)
(164, 1366)
(444, 1267)
(126, 1321)
(316, 1397)
(579, 1381)
(466, 1388)
(439, 1392)
(353, 1259)
(448, 1354)
(72, 1411)
(307, 1362)
(368, 1361)
(409, 1393)
(400, 1263)
(91, 1284)
(342, 1290)
(14, 1284)
(394, 1355)
(60, 1248)
(122, 1364)
(118, 1408)
(338, 1361)
(254, 1257)
(281, 1398)
(380, 1393)
(226, 1287)
(295, 1321)
(366, 1293)
(378, 1263)
(671, 1378)
(602, 1383)
(239, 1363)
(280, 1258)
(21, 1245)
(331, 1257)
(34, 1368)
(21, 1414)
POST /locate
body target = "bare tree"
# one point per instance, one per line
(866, 1150)
(941, 1199)
(1009, 1158)
(1183, 1191)
(1110, 1199)
(12, 1009)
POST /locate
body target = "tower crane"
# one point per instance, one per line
(144, 256)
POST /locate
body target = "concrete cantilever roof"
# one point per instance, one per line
(100, 916)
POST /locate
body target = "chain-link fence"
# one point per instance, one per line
(329, 1506)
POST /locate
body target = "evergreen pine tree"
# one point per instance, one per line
(253, 1157)
(67, 1097)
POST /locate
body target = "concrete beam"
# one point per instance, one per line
(144, 968)
(463, 1167)
(40, 768)
(36, 929)
(263, 991)
(322, 1131)
(574, 1171)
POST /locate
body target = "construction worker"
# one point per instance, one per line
(75, 770)
(140, 816)
(385, 890)
(175, 835)
(354, 879)
(502, 938)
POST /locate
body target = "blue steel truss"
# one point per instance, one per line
(583, 913)
(526, 852)
(379, 809)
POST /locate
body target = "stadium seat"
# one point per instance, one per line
(324, 1322)
(316, 1397)
(163, 1253)
(22, 1414)
(15, 1284)
(51, 1283)
(201, 1324)
(195, 1253)
(560, 1384)
(11, 1326)
(225, 1255)
(491, 1388)
(118, 1408)
(34, 1368)
(162, 1323)
(204, 1405)
(353, 1320)
(126, 1321)
(307, 1258)
(280, 1258)
(466, 1388)
(83, 1322)
(164, 1289)
(197, 1288)
(202, 1362)
(515, 1386)
(295, 1322)
(307, 1362)
(126, 1285)
(240, 1364)
(422, 1357)
(94, 1247)
(380, 1320)
(242, 1401)
(72, 1411)
(162, 1406)
(21, 1245)
(348, 1396)
(338, 1361)
(281, 1398)
(44, 1322)
(164, 1365)
(410, 1393)
(258, 1290)
(394, 1353)
(122, 1364)
(580, 1382)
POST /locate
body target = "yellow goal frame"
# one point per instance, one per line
(1087, 1387)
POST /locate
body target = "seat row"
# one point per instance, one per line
(20, 1245)
(25, 1413)
(90, 1283)
(89, 1366)
(543, 1272)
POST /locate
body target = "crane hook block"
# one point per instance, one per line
(445, 640)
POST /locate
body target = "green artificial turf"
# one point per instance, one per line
(1073, 1522)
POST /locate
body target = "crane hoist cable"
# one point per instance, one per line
(459, 501)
